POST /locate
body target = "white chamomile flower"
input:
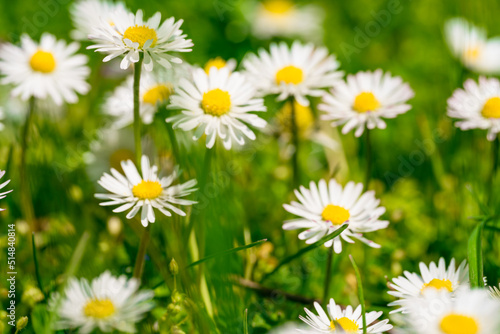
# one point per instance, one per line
(284, 18)
(154, 91)
(148, 191)
(217, 104)
(364, 100)
(130, 35)
(108, 303)
(412, 285)
(298, 71)
(46, 69)
(219, 63)
(470, 45)
(477, 106)
(324, 208)
(495, 292)
(87, 14)
(3, 194)
(467, 312)
(348, 320)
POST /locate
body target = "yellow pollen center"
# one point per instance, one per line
(335, 214)
(158, 94)
(140, 34)
(439, 284)
(43, 61)
(304, 117)
(216, 62)
(365, 102)
(347, 325)
(471, 53)
(491, 108)
(459, 324)
(147, 190)
(99, 308)
(216, 102)
(278, 7)
(290, 75)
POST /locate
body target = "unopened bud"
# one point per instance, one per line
(21, 323)
(173, 267)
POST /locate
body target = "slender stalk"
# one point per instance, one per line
(37, 267)
(137, 116)
(368, 161)
(26, 201)
(328, 274)
(361, 295)
(141, 254)
(173, 142)
(295, 142)
(494, 162)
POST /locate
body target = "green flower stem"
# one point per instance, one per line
(141, 253)
(361, 295)
(37, 267)
(26, 201)
(494, 162)
(173, 142)
(328, 274)
(368, 161)
(295, 142)
(137, 116)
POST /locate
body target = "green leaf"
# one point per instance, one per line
(476, 256)
(307, 249)
(227, 252)
(361, 295)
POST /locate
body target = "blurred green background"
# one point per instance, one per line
(426, 172)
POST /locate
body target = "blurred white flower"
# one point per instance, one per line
(4, 194)
(219, 63)
(299, 71)
(364, 99)
(324, 208)
(470, 45)
(49, 69)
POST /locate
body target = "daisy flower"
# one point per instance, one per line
(364, 99)
(477, 106)
(154, 91)
(131, 35)
(46, 69)
(468, 312)
(87, 14)
(283, 18)
(344, 321)
(108, 303)
(411, 285)
(324, 208)
(146, 192)
(3, 194)
(494, 292)
(470, 45)
(298, 71)
(219, 63)
(217, 104)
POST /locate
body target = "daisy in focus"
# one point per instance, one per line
(219, 63)
(299, 71)
(468, 312)
(131, 35)
(412, 285)
(87, 14)
(470, 45)
(283, 18)
(108, 303)
(324, 208)
(49, 69)
(344, 321)
(219, 105)
(3, 194)
(147, 192)
(477, 106)
(364, 99)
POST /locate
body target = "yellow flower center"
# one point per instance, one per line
(472, 53)
(335, 214)
(43, 61)
(459, 324)
(303, 117)
(99, 308)
(140, 34)
(158, 94)
(147, 190)
(290, 75)
(216, 62)
(347, 325)
(491, 108)
(278, 7)
(365, 101)
(216, 102)
(439, 284)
